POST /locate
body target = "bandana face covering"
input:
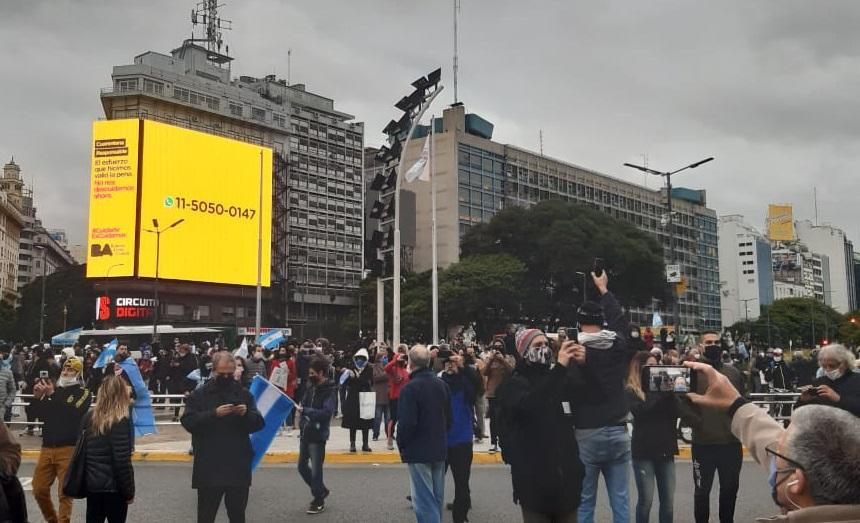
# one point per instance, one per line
(539, 355)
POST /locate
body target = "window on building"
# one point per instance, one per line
(126, 84)
(235, 109)
(175, 309)
(279, 119)
(201, 312)
(151, 86)
(181, 94)
(258, 114)
(227, 313)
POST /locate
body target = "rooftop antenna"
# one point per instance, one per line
(540, 137)
(289, 64)
(456, 51)
(205, 13)
(815, 201)
(645, 164)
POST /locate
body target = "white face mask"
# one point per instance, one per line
(777, 358)
(66, 382)
(833, 375)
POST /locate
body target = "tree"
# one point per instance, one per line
(792, 319)
(554, 240)
(849, 331)
(67, 288)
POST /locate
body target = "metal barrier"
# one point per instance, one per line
(155, 406)
(778, 404)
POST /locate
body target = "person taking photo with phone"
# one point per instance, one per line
(839, 386)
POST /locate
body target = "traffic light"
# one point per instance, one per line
(825, 342)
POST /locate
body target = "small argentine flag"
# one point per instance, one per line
(106, 355)
(242, 351)
(271, 339)
(274, 406)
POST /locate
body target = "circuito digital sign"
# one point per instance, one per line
(220, 189)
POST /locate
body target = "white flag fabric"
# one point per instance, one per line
(242, 351)
(420, 170)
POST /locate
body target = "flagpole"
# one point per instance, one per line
(260, 251)
(433, 214)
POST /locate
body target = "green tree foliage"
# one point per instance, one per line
(793, 319)
(67, 287)
(554, 240)
(849, 331)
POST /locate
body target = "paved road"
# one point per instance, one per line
(376, 494)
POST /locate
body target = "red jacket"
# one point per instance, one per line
(399, 378)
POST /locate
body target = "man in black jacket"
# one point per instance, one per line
(182, 364)
(535, 410)
(62, 407)
(41, 367)
(220, 416)
(316, 410)
(601, 411)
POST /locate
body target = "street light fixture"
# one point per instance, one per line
(41, 247)
(157, 233)
(670, 220)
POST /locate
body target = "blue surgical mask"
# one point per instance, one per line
(384, 360)
(360, 362)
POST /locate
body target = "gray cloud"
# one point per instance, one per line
(766, 87)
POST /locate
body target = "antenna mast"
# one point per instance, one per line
(289, 64)
(456, 51)
(540, 137)
(205, 13)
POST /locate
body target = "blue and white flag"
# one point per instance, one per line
(656, 320)
(106, 355)
(271, 339)
(242, 351)
(141, 413)
(275, 406)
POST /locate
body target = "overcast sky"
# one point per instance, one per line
(770, 88)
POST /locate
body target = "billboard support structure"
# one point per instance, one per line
(259, 311)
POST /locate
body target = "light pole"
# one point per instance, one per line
(157, 233)
(671, 222)
(397, 247)
(42, 305)
(580, 273)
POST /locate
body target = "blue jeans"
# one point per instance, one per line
(605, 450)
(427, 482)
(381, 413)
(313, 474)
(646, 471)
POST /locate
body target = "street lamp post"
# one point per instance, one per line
(671, 222)
(156, 304)
(42, 305)
(580, 273)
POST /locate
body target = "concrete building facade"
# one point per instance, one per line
(317, 220)
(477, 177)
(831, 242)
(11, 222)
(746, 271)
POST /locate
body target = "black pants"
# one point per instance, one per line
(494, 424)
(209, 500)
(111, 507)
(363, 437)
(460, 463)
(725, 459)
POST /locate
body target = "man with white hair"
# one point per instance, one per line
(424, 417)
(839, 386)
(814, 476)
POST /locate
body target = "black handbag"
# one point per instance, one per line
(75, 482)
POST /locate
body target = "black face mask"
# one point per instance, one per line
(713, 352)
(223, 381)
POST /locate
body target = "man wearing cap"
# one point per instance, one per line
(62, 407)
(779, 373)
(601, 412)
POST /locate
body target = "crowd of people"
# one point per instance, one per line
(559, 410)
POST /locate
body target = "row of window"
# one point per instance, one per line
(327, 167)
(195, 98)
(325, 277)
(316, 239)
(312, 202)
(317, 184)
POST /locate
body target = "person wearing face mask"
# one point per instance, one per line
(497, 369)
(715, 449)
(220, 416)
(536, 429)
(398, 377)
(461, 387)
(779, 373)
(635, 343)
(255, 365)
(63, 406)
(839, 386)
(315, 411)
(356, 379)
(812, 464)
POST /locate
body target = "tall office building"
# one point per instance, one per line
(477, 177)
(746, 270)
(317, 193)
(831, 241)
(11, 222)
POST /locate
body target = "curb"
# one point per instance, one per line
(338, 458)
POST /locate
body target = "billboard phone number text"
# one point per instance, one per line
(218, 209)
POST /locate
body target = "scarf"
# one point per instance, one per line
(602, 340)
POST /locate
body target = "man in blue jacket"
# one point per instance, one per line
(461, 384)
(316, 410)
(424, 416)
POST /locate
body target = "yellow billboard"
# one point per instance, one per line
(111, 235)
(213, 185)
(780, 223)
(206, 199)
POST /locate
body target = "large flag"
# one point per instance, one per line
(107, 355)
(656, 320)
(271, 339)
(275, 406)
(420, 170)
(242, 351)
(141, 413)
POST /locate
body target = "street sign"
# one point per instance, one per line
(673, 273)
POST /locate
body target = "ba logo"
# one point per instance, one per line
(97, 250)
(102, 308)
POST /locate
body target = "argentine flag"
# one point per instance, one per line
(274, 406)
(106, 355)
(141, 414)
(271, 339)
(242, 351)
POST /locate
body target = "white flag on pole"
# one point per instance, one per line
(242, 351)
(420, 170)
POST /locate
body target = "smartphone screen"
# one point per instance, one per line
(668, 378)
(43, 374)
(571, 333)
